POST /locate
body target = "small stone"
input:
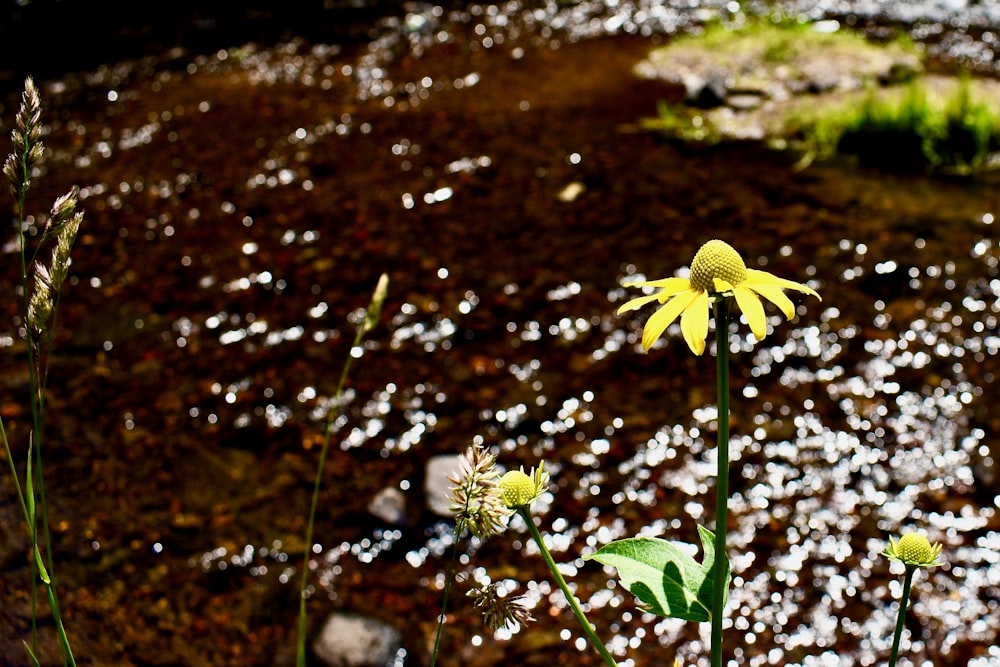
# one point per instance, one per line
(745, 100)
(436, 484)
(389, 504)
(707, 93)
(351, 640)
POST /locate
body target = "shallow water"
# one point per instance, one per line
(240, 207)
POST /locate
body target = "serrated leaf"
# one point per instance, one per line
(663, 576)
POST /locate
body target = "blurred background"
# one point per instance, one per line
(247, 174)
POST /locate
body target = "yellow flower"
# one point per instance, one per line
(913, 549)
(717, 270)
(519, 488)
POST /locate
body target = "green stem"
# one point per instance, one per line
(50, 588)
(722, 483)
(904, 600)
(574, 605)
(13, 473)
(367, 323)
(331, 416)
(444, 603)
(32, 381)
(35, 486)
(33, 497)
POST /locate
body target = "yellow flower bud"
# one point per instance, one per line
(913, 549)
(517, 488)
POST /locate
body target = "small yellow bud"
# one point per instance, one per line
(517, 488)
(913, 549)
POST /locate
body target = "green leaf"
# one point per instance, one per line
(43, 574)
(663, 576)
(31, 654)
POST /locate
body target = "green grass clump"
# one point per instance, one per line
(916, 128)
(969, 133)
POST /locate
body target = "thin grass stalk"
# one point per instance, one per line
(19, 195)
(588, 629)
(444, 603)
(31, 654)
(38, 512)
(331, 417)
(18, 168)
(13, 471)
(722, 481)
(35, 477)
(367, 323)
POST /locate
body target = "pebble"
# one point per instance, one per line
(389, 504)
(350, 640)
(436, 484)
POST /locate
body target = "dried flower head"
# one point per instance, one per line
(42, 299)
(913, 550)
(63, 225)
(374, 311)
(499, 612)
(520, 489)
(26, 137)
(476, 498)
(717, 269)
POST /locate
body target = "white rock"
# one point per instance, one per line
(389, 504)
(349, 640)
(436, 484)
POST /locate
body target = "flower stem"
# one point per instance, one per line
(574, 605)
(722, 482)
(904, 600)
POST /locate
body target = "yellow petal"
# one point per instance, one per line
(774, 294)
(722, 286)
(661, 319)
(637, 303)
(758, 277)
(668, 286)
(694, 322)
(752, 309)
